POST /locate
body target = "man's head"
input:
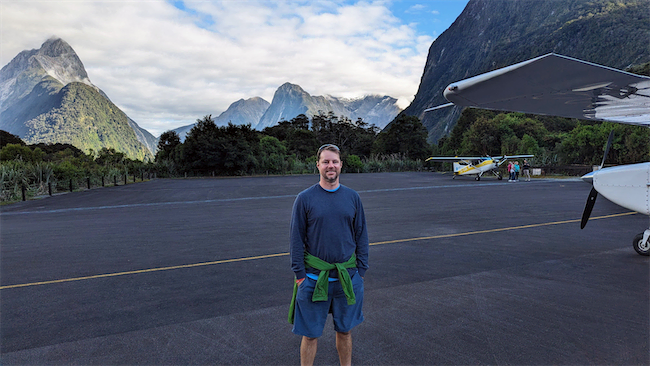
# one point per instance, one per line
(329, 163)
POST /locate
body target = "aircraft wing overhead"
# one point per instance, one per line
(560, 86)
(454, 158)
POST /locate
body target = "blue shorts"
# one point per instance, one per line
(310, 316)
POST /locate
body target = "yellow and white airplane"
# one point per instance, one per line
(562, 86)
(477, 166)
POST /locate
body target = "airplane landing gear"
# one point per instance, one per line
(641, 243)
(478, 177)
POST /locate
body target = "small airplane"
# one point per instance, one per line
(563, 86)
(477, 166)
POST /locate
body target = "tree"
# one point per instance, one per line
(273, 155)
(22, 153)
(404, 135)
(110, 157)
(200, 150)
(168, 146)
(8, 138)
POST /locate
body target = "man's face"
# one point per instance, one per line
(329, 166)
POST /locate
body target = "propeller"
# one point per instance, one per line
(591, 199)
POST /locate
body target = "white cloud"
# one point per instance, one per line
(166, 67)
(417, 8)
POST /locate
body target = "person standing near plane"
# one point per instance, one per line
(526, 171)
(329, 257)
(517, 170)
(511, 171)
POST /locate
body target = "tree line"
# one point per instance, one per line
(210, 150)
(553, 140)
(290, 146)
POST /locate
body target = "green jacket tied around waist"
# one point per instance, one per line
(322, 284)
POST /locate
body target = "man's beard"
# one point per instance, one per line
(331, 180)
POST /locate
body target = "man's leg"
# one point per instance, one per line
(344, 347)
(308, 350)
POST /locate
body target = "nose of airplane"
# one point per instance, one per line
(589, 178)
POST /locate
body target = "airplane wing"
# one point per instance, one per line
(454, 158)
(512, 157)
(559, 86)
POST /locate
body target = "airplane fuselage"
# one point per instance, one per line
(478, 169)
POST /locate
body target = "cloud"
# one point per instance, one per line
(167, 64)
(417, 8)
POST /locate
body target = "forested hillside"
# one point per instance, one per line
(82, 117)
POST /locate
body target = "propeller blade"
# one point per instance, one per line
(591, 200)
(609, 145)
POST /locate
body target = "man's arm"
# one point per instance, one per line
(361, 237)
(297, 238)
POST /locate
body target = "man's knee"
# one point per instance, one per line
(309, 339)
(344, 334)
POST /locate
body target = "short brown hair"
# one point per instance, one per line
(330, 147)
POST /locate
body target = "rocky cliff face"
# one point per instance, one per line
(34, 98)
(490, 34)
(291, 100)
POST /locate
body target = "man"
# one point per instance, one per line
(526, 171)
(329, 256)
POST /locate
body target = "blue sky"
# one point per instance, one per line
(168, 63)
(431, 17)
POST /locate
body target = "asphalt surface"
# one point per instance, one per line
(197, 271)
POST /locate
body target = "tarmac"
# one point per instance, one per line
(196, 271)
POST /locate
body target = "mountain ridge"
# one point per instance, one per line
(291, 100)
(37, 104)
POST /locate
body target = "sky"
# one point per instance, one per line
(168, 63)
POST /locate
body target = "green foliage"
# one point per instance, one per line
(169, 147)
(351, 137)
(8, 138)
(352, 164)
(226, 150)
(86, 119)
(37, 167)
(553, 140)
(22, 153)
(405, 135)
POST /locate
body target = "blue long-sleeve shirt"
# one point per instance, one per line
(330, 226)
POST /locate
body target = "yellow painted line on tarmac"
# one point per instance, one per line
(499, 229)
(145, 271)
(159, 269)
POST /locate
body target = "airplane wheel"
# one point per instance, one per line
(478, 178)
(639, 246)
(499, 177)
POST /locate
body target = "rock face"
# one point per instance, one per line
(490, 34)
(46, 96)
(242, 112)
(291, 100)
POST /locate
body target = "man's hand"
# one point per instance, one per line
(300, 281)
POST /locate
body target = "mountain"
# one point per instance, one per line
(241, 112)
(46, 96)
(490, 34)
(291, 100)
